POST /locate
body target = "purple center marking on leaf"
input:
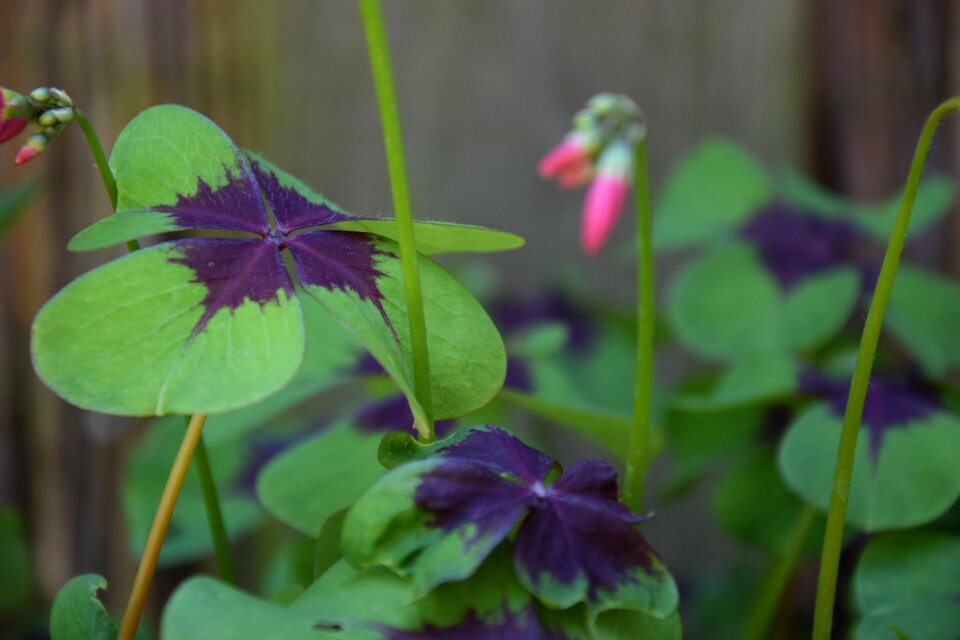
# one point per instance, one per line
(292, 210)
(580, 530)
(339, 260)
(234, 271)
(891, 402)
(520, 626)
(794, 244)
(235, 206)
(576, 528)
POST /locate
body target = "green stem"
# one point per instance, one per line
(638, 450)
(771, 591)
(833, 537)
(100, 158)
(211, 504)
(379, 51)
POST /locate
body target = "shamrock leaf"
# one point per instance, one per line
(437, 520)
(206, 325)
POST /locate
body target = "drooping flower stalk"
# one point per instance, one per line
(608, 148)
(833, 536)
(379, 51)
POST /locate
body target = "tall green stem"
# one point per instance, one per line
(638, 451)
(379, 50)
(833, 537)
(211, 502)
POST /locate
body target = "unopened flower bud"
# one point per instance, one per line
(47, 119)
(41, 94)
(13, 112)
(34, 147)
(63, 114)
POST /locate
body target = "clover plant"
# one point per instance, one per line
(247, 301)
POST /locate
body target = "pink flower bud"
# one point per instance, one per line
(29, 151)
(570, 157)
(601, 210)
(11, 122)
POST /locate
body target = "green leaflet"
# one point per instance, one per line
(914, 478)
(726, 304)
(386, 528)
(714, 190)
(307, 483)
(77, 613)
(923, 314)
(118, 340)
(467, 356)
(909, 582)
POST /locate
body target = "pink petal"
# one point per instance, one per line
(26, 154)
(601, 210)
(568, 156)
(11, 127)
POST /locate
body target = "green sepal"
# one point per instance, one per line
(77, 612)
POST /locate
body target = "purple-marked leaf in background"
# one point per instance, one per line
(581, 532)
(891, 402)
(514, 626)
(577, 542)
(794, 244)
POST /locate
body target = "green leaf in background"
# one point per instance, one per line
(754, 506)
(909, 583)
(818, 307)
(754, 378)
(700, 441)
(77, 612)
(189, 535)
(714, 189)
(17, 581)
(933, 201)
(923, 315)
(725, 304)
(124, 339)
(913, 477)
(14, 201)
(202, 609)
(306, 484)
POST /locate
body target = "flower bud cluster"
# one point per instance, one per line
(48, 109)
(599, 150)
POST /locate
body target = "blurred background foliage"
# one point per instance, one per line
(836, 89)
